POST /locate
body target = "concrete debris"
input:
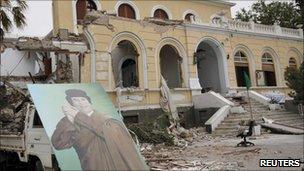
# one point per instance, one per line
(281, 128)
(162, 157)
(64, 72)
(160, 26)
(98, 18)
(163, 22)
(13, 110)
(31, 44)
(267, 120)
(235, 152)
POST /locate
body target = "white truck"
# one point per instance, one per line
(30, 149)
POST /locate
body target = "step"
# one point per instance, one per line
(290, 121)
(235, 115)
(254, 106)
(235, 126)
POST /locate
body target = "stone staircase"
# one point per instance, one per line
(228, 127)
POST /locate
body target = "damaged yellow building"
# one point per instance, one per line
(192, 44)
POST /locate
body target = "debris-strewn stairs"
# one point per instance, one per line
(229, 126)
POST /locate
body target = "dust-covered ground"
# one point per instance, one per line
(208, 153)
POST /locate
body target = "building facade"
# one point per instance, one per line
(192, 44)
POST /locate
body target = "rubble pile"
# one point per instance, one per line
(148, 133)
(64, 72)
(185, 156)
(13, 110)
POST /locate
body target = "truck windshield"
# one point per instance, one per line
(37, 122)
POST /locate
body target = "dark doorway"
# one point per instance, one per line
(128, 71)
(240, 75)
(208, 67)
(170, 66)
(270, 79)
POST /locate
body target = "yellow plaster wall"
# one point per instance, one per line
(62, 15)
(203, 8)
(189, 38)
(63, 10)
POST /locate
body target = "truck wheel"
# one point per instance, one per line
(3, 166)
(38, 166)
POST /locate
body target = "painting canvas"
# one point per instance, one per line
(84, 128)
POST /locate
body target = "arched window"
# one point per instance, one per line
(188, 17)
(241, 67)
(292, 63)
(269, 70)
(267, 58)
(126, 11)
(240, 57)
(161, 14)
(83, 6)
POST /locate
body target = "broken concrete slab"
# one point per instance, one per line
(280, 128)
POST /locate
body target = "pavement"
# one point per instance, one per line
(208, 153)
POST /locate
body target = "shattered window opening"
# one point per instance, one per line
(84, 6)
(188, 17)
(125, 64)
(161, 14)
(126, 11)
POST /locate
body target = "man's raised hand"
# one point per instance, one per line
(70, 112)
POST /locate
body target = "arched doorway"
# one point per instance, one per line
(170, 66)
(212, 66)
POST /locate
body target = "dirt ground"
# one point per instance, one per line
(208, 153)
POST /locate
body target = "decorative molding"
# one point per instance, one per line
(90, 39)
(248, 28)
(299, 57)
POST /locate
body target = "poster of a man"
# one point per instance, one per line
(101, 143)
